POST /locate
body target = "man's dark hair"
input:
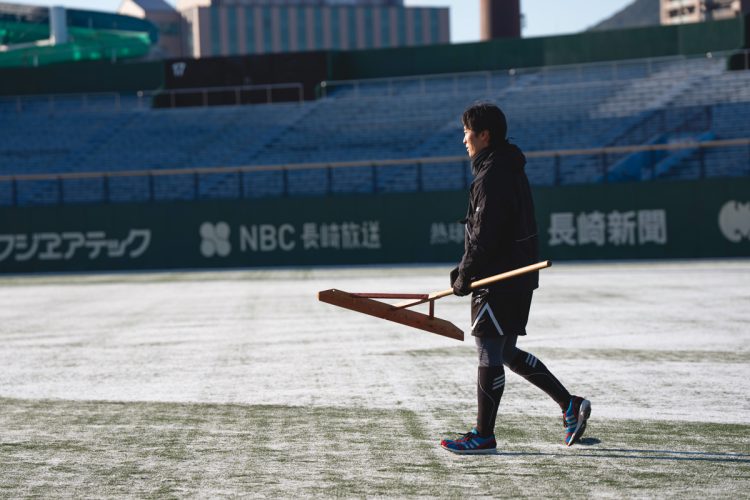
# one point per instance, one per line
(485, 116)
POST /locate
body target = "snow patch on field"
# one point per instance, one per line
(665, 341)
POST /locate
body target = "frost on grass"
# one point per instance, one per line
(231, 383)
(82, 449)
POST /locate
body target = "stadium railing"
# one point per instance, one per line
(340, 178)
(226, 95)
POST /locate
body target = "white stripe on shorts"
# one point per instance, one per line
(486, 308)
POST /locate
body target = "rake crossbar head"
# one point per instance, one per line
(393, 295)
(356, 302)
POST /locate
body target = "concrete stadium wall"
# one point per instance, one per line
(586, 47)
(84, 76)
(619, 221)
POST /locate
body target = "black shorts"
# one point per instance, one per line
(494, 314)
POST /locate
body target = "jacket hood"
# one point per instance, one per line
(507, 155)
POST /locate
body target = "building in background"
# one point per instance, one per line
(638, 14)
(236, 27)
(166, 18)
(693, 11)
(500, 19)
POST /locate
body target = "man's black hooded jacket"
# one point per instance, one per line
(501, 232)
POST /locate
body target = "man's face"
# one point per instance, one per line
(476, 142)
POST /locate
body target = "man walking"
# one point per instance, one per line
(501, 234)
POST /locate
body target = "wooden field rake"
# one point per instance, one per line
(400, 312)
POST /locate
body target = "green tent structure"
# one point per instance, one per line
(27, 37)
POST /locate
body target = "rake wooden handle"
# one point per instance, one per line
(478, 284)
(494, 279)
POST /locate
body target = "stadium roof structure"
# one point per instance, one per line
(25, 36)
(149, 5)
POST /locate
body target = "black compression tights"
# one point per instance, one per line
(494, 352)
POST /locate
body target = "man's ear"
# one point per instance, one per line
(484, 135)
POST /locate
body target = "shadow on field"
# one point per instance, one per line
(670, 455)
(588, 441)
(682, 455)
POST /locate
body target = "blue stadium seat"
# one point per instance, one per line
(552, 108)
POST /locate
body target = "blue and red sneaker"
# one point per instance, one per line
(470, 443)
(574, 419)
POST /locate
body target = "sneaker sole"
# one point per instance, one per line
(583, 415)
(485, 451)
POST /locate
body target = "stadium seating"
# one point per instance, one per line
(552, 108)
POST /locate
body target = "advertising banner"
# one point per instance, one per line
(618, 221)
